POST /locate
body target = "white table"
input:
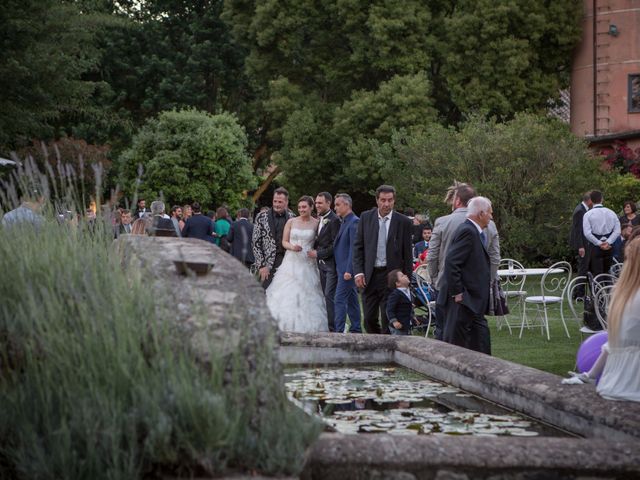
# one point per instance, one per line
(527, 272)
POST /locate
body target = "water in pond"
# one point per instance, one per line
(399, 401)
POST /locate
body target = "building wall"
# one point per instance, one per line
(617, 57)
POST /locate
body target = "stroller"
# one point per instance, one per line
(424, 300)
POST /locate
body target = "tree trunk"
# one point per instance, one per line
(265, 184)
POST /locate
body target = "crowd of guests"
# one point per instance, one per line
(599, 236)
(189, 221)
(372, 258)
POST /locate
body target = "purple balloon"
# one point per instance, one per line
(589, 351)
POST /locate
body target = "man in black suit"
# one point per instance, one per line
(161, 226)
(239, 237)
(141, 208)
(383, 244)
(577, 240)
(328, 228)
(198, 225)
(125, 224)
(467, 278)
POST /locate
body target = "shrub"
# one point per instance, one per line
(96, 381)
(532, 168)
(189, 156)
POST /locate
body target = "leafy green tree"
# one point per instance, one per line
(189, 156)
(47, 48)
(438, 59)
(532, 168)
(161, 55)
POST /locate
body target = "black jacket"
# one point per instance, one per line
(576, 236)
(399, 247)
(198, 226)
(399, 308)
(467, 269)
(325, 240)
(240, 239)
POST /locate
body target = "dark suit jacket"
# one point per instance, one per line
(162, 227)
(467, 270)
(576, 237)
(343, 245)
(198, 226)
(240, 238)
(399, 251)
(399, 308)
(325, 240)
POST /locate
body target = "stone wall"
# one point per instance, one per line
(227, 306)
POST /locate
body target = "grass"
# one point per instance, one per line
(557, 355)
(96, 381)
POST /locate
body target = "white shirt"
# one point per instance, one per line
(406, 292)
(320, 223)
(600, 221)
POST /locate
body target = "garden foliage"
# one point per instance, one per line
(188, 156)
(97, 381)
(532, 168)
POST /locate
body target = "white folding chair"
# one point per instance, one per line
(615, 269)
(553, 290)
(513, 287)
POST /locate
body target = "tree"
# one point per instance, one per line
(532, 168)
(189, 156)
(337, 58)
(47, 47)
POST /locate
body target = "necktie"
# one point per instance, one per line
(483, 239)
(381, 251)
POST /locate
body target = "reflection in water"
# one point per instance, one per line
(399, 401)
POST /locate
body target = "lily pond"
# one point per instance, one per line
(396, 400)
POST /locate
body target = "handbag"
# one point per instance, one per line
(497, 300)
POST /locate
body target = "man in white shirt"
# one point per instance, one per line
(601, 228)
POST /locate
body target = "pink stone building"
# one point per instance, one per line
(605, 79)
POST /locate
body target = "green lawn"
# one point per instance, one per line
(557, 355)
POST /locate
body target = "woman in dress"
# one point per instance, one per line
(295, 296)
(619, 362)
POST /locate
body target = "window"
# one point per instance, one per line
(634, 93)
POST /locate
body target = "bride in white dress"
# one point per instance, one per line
(295, 296)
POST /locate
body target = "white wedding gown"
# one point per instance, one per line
(295, 296)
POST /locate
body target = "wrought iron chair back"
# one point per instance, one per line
(601, 301)
(555, 284)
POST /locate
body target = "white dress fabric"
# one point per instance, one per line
(295, 295)
(620, 379)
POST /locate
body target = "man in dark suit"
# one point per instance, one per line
(198, 225)
(161, 226)
(383, 243)
(239, 237)
(346, 299)
(328, 227)
(467, 276)
(577, 240)
(125, 224)
(141, 208)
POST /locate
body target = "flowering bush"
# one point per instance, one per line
(622, 158)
